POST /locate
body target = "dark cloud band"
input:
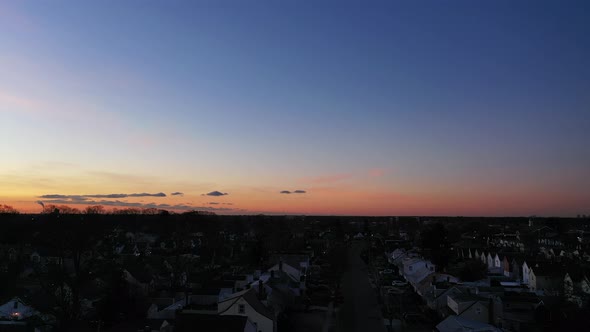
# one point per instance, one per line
(85, 197)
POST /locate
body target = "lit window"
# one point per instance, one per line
(241, 309)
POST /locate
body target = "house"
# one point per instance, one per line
(189, 322)
(460, 324)
(516, 268)
(436, 297)
(246, 303)
(295, 266)
(576, 286)
(526, 270)
(494, 263)
(168, 312)
(16, 310)
(546, 278)
(417, 269)
(546, 236)
(397, 255)
(497, 262)
(469, 306)
(507, 266)
(518, 310)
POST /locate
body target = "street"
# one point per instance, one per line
(360, 310)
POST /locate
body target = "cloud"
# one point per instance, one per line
(152, 205)
(85, 197)
(299, 191)
(216, 193)
(327, 178)
(41, 203)
(213, 203)
(177, 193)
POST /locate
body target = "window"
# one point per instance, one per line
(241, 309)
(478, 311)
(410, 268)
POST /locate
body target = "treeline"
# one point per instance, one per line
(99, 209)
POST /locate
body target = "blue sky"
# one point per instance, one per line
(449, 98)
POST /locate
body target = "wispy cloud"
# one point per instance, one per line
(285, 192)
(213, 203)
(177, 193)
(327, 178)
(216, 193)
(300, 192)
(85, 197)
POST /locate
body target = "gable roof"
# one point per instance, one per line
(460, 324)
(250, 296)
(8, 308)
(188, 322)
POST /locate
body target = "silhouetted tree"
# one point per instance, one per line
(473, 270)
(434, 240)
(7, 209)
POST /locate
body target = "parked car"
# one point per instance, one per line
(386, 271)
(398, 283)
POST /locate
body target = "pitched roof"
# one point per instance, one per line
(188, 322)
(250, 296)
(460, 324)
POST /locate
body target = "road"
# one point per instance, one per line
(360, 311)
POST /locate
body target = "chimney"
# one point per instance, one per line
(281, 265)
(272, 273)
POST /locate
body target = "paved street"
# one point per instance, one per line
(360, 310)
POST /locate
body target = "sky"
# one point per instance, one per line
(297, 107)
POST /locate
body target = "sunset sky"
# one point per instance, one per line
(363, 108)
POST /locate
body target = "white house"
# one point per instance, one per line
(416, 269)
(490, 261)
(497, 261)
(525, 273)
(246, 303)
